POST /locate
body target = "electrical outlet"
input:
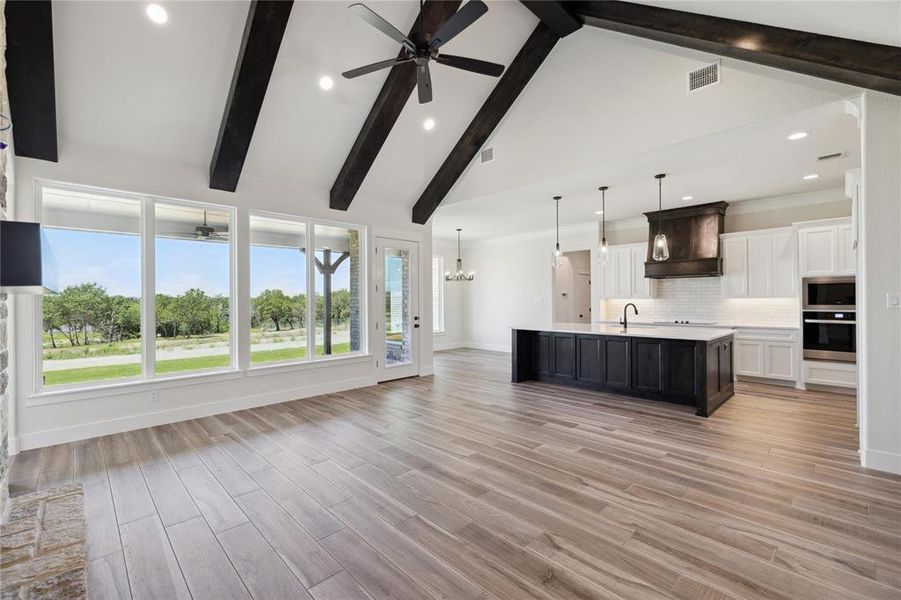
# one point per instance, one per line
(154, 396)
(893, 300)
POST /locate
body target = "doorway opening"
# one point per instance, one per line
(572, 288)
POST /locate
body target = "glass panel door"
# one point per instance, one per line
(397, 321)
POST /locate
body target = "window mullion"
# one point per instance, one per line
(239, 311)
(311, 292)
(148, 288)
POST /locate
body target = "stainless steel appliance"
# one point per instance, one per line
(830, 335)
(829, 293)
(830, 321)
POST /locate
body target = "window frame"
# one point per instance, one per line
(438, 324)
(310, 326)
(239, 302)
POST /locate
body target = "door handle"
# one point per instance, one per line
(416, 325)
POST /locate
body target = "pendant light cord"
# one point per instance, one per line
(603, 215)
(458, 244)
(558, 221)
(659, 205)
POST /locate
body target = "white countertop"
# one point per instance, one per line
(695, 334)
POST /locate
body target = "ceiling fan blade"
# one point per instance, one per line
(382, 25)
(483, 67)
(424, 83)
(460, 20)
(382, 64)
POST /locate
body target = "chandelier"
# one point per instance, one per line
(459, 275)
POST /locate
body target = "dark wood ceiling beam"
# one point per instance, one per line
(853, 62)
(511, 84)
(30, 78)
(263, 32)
(385, 111)
(554, 15)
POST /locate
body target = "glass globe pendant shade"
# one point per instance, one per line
(557, 258)
(661, 248)
(603, 252)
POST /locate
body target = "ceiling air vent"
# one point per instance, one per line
(486, 155)
(831, 156)
(704, 76)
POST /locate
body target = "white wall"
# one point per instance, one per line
(566, 299)
(58, 418)
(879, 273)
(453, 298)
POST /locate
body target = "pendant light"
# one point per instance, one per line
(661, 248)
(558, 256)
(603, 248)
(459, 275)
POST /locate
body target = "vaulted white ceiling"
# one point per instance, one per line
(600, 98)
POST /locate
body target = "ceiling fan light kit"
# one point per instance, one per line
(423, 47)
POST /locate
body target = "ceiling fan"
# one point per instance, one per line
(423, 47)
(203, 232)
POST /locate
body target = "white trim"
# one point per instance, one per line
(882, 461)
(63, 435)
(490, 347)
(298, 366)
(441, 346)
(438, 325)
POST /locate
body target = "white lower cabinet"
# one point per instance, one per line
(767, 353)
(834, 374)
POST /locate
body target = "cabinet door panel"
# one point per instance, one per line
(760, 266)
(749, 358)
(785, 261)
(713, 369)
(564, 355)
(615, 360)
(588, 364)
(543, 353)
(847, 257)
(818, 251)
(623, 259)
(725, 364)
(646, 365)
(680, 368)
(735, 267)
(641, 286)
(780, 361)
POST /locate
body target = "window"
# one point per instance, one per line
(147, 288)
(337, 276)
(438, 294)
(278, 285)
(193, 303)
(91, 329)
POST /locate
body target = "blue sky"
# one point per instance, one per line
(113, 261)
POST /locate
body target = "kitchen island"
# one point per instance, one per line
(684, 365)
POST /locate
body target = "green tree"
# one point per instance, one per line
(273, 305)
(166, 316)
(52, 320)
(193, 310)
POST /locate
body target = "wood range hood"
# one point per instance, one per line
(693, 238)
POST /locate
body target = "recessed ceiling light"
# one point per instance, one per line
(798, 135)
(688, 197)
(598, 212)
(428, 124)
(811, 176)
(326, 82)
(156, 13)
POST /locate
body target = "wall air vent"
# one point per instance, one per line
(704, 76)
(486, 155)
(831, 156)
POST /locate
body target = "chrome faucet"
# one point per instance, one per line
(625, 317)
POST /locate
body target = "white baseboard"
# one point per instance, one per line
(62, 435)
(489, 347)
(882, 461)
(439, 346)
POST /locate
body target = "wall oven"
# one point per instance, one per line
(830, 321)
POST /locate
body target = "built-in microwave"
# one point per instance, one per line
(829, 293)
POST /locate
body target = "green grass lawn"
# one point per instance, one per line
(69, 376)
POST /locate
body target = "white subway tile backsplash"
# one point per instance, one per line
(700, 299)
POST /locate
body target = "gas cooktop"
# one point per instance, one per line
(685, 322)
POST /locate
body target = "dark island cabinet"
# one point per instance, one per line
(697, 373)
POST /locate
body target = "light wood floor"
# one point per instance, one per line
(463, 486)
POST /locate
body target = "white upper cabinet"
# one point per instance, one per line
(826, 248)
(760, 264)
(623, 275)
